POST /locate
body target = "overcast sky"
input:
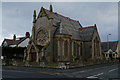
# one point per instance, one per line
(17, 17)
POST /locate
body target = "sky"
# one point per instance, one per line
(17, 17)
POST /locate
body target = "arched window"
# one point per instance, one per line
(81, 49)
(56, 47)
(66, 48)
(74, 48)
(94, 48)
(70, 46)
(61, 46)
(77, 50)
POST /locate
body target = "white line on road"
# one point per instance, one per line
(112, 70)
(94, 76)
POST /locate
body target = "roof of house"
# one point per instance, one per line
(14, 42)
(109, 45)
(71, 27)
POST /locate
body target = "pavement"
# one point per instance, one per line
(100, 71)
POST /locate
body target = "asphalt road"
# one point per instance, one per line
(102, 72)
(24, 74)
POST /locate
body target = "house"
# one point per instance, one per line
(110, 49)
(14, 48)
(17, 42)
(60, 39)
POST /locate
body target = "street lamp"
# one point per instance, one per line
(108, 42)
(107, 37)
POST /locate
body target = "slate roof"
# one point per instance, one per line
(69, 26)
(14, 42)
(109, 45)
(86, 33)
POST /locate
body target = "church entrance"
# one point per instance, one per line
(33, 54)
(33, 57)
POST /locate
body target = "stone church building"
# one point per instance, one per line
(59, 38)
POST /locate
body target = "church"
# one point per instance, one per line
(56, 38)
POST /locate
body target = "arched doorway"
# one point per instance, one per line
(32, 54)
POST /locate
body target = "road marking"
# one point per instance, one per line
(95, 76)
(92, 69)
(98, 74)
(112, 70)
(92, 77)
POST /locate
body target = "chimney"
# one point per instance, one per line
(14, 37)
(95, 25)
(27, 34)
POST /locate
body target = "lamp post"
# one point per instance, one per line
(107, 37)
(108, 42)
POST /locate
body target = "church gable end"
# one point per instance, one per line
(59, 38)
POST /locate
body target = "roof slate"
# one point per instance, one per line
(109, 45)
(86, 33)
(69, 26)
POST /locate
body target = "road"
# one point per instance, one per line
(102, 72)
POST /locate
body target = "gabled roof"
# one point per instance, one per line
(69, 26)
(86, 33)
(109, 45)
(14, 42)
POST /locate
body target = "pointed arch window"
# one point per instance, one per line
(66, 48)
(74, 49)
(81, 49)
(60, 46)
(77, 49)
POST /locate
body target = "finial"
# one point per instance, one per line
(34, 13)
(34, 16)
(51, 10)
(50, 14)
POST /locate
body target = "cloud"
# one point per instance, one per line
(17, 17)
(105, 15)
(60, 0)
(0, 22)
